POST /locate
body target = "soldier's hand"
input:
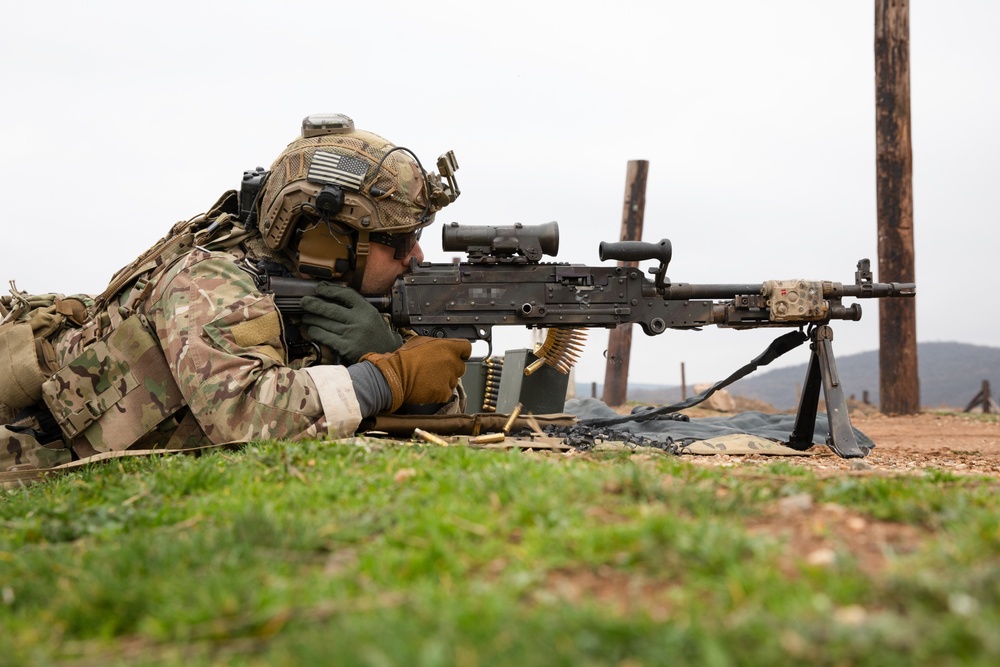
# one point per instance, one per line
(345, 322)
(424, 370)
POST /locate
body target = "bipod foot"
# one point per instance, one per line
(855, 452)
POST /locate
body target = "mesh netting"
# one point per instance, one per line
(399, 176)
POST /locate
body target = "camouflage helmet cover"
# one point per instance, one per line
(385, 188)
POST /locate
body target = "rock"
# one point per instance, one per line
(721, 401)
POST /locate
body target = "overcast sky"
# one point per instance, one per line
(758, 119)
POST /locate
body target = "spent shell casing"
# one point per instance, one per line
(514, 414)
(430, 437)
(487, 439)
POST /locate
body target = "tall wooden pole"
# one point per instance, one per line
(620, 338)
(899, 384)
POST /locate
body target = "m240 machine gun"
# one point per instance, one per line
(504, 282)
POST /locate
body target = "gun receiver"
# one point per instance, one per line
(505, 283)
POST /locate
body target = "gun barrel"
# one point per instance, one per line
(873, 290)
(831, 290)
(721, 291)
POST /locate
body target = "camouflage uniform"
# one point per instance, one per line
(223, 344)
(182, 350)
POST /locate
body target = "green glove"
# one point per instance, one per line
(345, 322)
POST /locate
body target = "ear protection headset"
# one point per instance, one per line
(327, 227)
(326, 247)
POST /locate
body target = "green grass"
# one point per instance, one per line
(322, 553)
(989, 417)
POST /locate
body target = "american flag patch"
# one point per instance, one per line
(338, 169)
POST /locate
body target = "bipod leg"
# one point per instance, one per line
(842, 440)
(823, 369)
(805, 416)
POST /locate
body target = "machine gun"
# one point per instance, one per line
(504, 282)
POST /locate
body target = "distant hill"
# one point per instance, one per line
(951, 374)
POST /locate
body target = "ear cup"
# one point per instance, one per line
(325, 252)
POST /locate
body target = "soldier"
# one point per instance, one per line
(184, 350)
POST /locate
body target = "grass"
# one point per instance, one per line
(324, 553)
(987, 417)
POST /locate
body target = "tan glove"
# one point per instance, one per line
(424, 370)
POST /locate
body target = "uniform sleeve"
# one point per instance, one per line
(222, 339)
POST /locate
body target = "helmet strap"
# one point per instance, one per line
(361, 251)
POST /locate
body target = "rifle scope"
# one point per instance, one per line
(532, 241)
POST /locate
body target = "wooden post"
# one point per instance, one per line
(620, 338)
(983, 399)
(899, 384)
(684, 385)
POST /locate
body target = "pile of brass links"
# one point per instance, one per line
(561, 349)
(491, 388)
(586, 438)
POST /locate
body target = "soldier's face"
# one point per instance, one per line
(382, 269)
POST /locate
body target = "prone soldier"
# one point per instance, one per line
(182, 350)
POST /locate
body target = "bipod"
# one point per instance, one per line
(822, 372)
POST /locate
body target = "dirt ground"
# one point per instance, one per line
(959, 444)
(817, 533)
(955, 442)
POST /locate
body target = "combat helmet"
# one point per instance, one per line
(335, 190)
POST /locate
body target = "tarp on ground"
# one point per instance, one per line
(776, 427)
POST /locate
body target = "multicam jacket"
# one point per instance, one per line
(223, 345)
